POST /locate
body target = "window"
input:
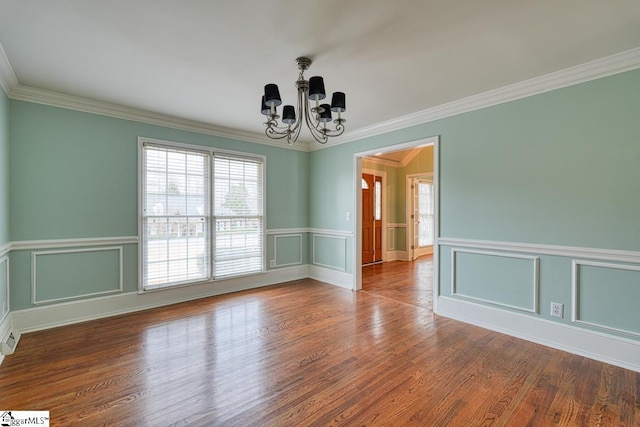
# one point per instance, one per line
(182, 240)
(426, 213)
(377, 200)
(238, 216)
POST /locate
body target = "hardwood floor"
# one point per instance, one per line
(307, 354)
(408, 282)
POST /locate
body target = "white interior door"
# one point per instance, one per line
(415, 217)
(423, 217)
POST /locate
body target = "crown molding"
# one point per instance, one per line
(70, 102)
(8, 79)
(603, 67)
(409, 157)
(14, 90)
(383, 162)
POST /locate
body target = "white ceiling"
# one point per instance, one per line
(209, 60)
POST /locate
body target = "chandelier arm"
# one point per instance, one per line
(317, 134)
(273, 124)
(298, 127)
(339, 130)
(275, 134)
(274, 131)
(313, 118)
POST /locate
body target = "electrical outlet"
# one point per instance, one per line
(557, 309)
(272, 263)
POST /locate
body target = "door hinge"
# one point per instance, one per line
(412, 247)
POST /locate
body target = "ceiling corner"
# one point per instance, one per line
(8, 79)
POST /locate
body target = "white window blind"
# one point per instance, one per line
(176, 216)
(238, 215)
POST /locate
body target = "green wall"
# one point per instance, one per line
(4, 201)
(75, 175)
(559, 168)
(4, 169)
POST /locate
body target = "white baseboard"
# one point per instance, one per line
(5, 326)
(396, 256)
(333, 277)
(50, 316)
(595, 345)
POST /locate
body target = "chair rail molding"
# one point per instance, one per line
(540, 249)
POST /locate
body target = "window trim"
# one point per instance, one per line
(211, 151)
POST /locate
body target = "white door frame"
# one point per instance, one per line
(411, 255)
(357, 209)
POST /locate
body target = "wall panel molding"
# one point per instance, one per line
(24, 245)
(342, 267)
(535, 285)
(327, 232)
(323, 231)
(391, 239)
(564, 251)
(275, 231)
(575, 291)
(5, 249)
(275, 249)
(34, 274)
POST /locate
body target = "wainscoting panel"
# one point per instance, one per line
(330, 251)
(60, 275)
(503, 279)
(606, 295)
(287, 250)
(391, 239)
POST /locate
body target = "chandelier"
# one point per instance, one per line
(316, 118)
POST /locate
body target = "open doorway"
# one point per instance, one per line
(397, 232)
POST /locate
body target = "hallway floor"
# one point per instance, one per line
(409, 282)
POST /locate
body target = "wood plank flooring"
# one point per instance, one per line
(307, 354)
(408, 282)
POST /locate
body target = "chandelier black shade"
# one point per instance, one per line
(316, 117)
(272, 95)
(338, 104)
(316, 88)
